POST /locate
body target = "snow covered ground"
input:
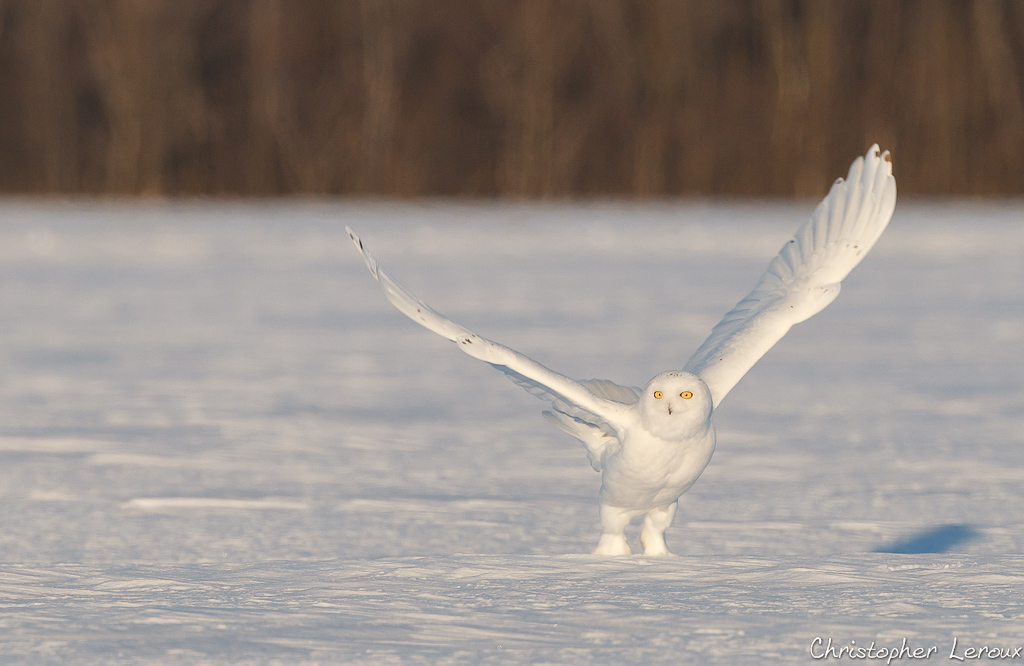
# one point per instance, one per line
(219, 444)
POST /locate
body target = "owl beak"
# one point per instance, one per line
(670, 410)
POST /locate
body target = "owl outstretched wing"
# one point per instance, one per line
(804, 278)
(591, 406)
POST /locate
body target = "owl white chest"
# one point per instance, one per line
(649, 471)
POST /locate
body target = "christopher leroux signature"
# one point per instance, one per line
(826, 649)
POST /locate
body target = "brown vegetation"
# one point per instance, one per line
(534, 98)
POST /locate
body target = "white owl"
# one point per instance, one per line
(651, 445)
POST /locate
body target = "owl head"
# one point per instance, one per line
(676, 405)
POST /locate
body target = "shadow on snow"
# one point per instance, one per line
(940, 539)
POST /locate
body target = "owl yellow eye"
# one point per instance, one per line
(685, 395)
(657, 394)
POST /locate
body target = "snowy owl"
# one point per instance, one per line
(651, 445)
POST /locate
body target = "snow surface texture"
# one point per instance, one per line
(201, 457)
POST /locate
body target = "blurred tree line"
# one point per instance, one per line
(531, 98)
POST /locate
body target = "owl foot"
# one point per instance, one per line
(612, 544)
(652, 534)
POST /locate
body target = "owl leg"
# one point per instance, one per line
(613, 523)
(652, 534)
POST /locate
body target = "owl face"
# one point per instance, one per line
(676, 405)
